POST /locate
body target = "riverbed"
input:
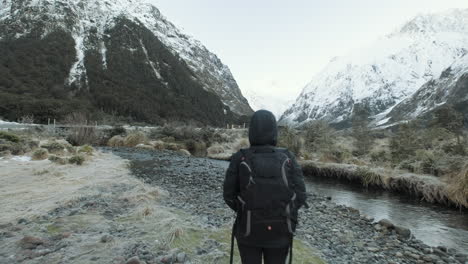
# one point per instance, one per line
(433, 224)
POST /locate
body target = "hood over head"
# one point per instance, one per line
(263, 129)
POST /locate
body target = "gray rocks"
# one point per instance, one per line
(30, 242)
(133, 260)
(181, 257)
(403, 231)
(106, 239)
(386, 223)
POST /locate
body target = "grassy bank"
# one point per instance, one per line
(429, 188)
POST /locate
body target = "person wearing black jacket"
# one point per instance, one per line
(263, 135)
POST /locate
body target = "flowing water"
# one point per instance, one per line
(433, 224)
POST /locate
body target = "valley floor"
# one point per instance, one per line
(142, 206)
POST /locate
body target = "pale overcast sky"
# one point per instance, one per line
(275, 47)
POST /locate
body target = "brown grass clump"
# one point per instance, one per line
(241, 144)
(458, 188)
(134, 139)
(184, 152)
(173, 146)
(369, 178)
(40, 154)
(116, 141)
(215, 149)
(158, 144)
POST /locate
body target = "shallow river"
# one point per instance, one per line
(434, 225)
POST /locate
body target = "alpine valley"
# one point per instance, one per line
(110, 58)
(406, 74)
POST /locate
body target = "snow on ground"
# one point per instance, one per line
(21, 158)
(8, 123)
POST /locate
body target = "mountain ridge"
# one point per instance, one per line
(88, 23)
(382, 75)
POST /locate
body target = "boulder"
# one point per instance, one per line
(403, 231)
(133, 260)
(386, 223)
(30, 242)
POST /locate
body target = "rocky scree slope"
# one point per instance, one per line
(122, 56)
(382, 75)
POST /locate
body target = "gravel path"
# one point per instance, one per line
(341, 234)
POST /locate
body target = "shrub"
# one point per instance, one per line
(86, 149)
(54, 147)
(58, 160)
(116, 141)
(40, 154)
(80, 133)
(83, 135)
(134, 139)
(380, 156)
(77, 159)
(196, 148)
(289, 139)
(319, 136)
(116, 131)
(405, 142)
(9, 137)
(426, 162)
(12, 148)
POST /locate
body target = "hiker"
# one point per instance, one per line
(265, 186)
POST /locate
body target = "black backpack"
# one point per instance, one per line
(266, 204)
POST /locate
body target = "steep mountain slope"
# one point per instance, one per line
(122, 55)
(451, 88)
(382, 75)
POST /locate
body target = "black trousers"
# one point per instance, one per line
(253, 255)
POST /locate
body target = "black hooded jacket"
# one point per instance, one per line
(263, 133)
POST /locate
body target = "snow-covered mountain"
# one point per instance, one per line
(385, 73)
(89, 23)
(451, 88)
(276, 105)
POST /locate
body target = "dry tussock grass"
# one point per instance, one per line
(241, 144)
(215, 149)
(134, 139)
(116, 141)
(458, 189)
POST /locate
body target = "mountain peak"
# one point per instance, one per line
(453, 20)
